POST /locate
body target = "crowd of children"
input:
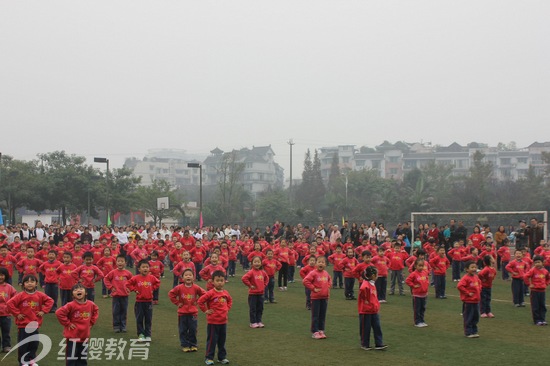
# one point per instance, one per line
(69, 271)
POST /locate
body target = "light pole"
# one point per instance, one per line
(106, 161)
(198, 165)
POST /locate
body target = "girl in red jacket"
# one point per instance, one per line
(7, 292)
(487, 275)
(256, 280)
(77, 318)
(368, 307)
(318, 282)
(185, 297)
(419, 282)
(470, 293)
(271, 266)
(348, 265)
(303, 273)
(538, 279)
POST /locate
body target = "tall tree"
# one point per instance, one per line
(477, 184)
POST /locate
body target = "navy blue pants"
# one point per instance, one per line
(505, 274)
(282, 277)
(485, 300)
(76, 353)
(29, 349)
(215, 336)
(198, 268)
(268, 292)
(308, 298)
(187, 325)
(256, 308)
(318, 314)
(65, 296)
(120, 312)
(439, 283)
(291, 271)
(231, 268)
(538, 306)
(470, 314)
(337, 279)
(5, 325)
(381, 285)
(419, 309)
(349, 284)
(52, 290)
(455, 265)
(176, 281)
(90, 294)
(366, 322)
(518, 291)
(144, 317)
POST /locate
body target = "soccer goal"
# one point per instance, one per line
(492, 218)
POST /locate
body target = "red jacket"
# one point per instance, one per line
(271, 266)
(206, 274)
(304, 271)
(419, 282)
(517, 268)
(186, 297)
(6, 293)
(470, 289)
(397, 260)
(318, 280)
(348, 264)
(220, 302)
(106, 264)
(88, 275)
(198, 254)
(29, 266)
(455, 254)
(538, 278)
(83, 316)
(66, 278)
(156, 268)
(381, 263)
(29, 304)
(182, 266)
(257, 278)
(336, 259)
(143, 286)
(282, 254)
(8, 262)
(116, 281)
(440, 265)
(367, 303)
(49, 269)
(486, 276)
(504, 253)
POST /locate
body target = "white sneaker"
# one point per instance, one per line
(147, 339)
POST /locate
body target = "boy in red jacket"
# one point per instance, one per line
(440, 263)
(256, 280)
(88, 274)
(51, 279)
(470, 293)
(66, 279)
(538, 280)
(318, 282)
(304, 271)
(336, 260)
(185, 297)
(143, 284)
(381, 263)
(156, 268)
(504, 254)
(517, 268)
(77, 318)
(368, 307)
(348, 265)
(487, 275)
(271, 266)
(26, 307)
(216, 304)
(419, 282)
(7, 292)
(397, 259)
(116, 281)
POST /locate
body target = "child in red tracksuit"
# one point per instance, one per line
(318, 282)
(381, 263)
(216, 304)
(517, 268)
(77, 318)
(88, 274)
(504, 253)
(51, 280)
(207, 272)
(28, 306)
(256, 280)
(348, 264)
(6, 293)
(397, 259)
(538, 279)
(336, 260)
(456, 256)
(487, 275)
(66, 280)
(304, 271)
(271, 266)
(470, 294)
(156, 268)
(368, 307)
(185, 297)
(181, 266)
(143, 284)
(419, 282)
(116, 282)
(440, 263)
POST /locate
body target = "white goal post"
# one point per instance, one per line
(518, 213)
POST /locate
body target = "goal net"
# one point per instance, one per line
(509, 219)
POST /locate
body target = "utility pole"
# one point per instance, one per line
(290, 143)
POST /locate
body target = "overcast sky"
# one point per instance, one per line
(115, 78)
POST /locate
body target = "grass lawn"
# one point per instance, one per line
(509, 338)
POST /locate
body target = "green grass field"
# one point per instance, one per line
(509, 338)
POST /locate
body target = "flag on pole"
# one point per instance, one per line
(1, 218)
(200, 221)
(109, 219)
(342, 220)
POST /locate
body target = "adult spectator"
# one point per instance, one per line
(39, 233)
(522, 235)
(535, 233)
(24, 233)
(461, 233)
(335, 234)
(86, 235)
(344, 231)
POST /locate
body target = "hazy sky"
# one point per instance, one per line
(115, 78)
